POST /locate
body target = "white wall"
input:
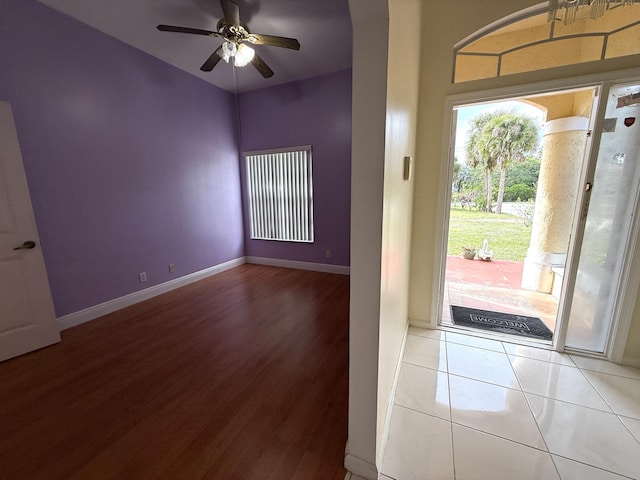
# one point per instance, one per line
(402, 109)
(370, 29)
(385, 99)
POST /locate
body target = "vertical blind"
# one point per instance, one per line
(280, 193)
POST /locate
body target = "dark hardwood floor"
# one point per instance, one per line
(239, 376)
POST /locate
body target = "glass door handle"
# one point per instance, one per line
(28, 245)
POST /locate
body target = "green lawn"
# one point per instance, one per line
(508, 236)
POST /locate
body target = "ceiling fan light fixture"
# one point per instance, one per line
(236, 40)
(228, 50)
(243, 55)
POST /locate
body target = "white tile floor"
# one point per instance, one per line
(472, 408)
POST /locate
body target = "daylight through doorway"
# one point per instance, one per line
(516, 172)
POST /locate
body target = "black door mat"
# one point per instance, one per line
(498, 322)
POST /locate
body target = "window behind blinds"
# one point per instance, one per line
(280, 192)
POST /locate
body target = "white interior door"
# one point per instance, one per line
(27, 317)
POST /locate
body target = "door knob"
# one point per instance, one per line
(28, 245)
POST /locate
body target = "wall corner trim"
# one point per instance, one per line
(91, 313)
(316, 267)
(360, 467)
(414, 322)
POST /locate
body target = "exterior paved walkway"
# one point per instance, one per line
(493, 285)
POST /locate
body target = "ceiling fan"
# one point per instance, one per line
(237, 38)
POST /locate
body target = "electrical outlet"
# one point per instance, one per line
(172, 268)
(142, 276)
(327, 253)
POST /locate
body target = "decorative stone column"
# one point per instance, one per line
(562, 157)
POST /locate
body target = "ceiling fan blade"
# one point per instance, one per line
(274, 41)
(212, 61)
(196, 31)
(262, 67)
(231, 12)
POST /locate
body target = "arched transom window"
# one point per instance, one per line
(564, 33)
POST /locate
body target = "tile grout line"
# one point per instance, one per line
(453, 450)
(607, 373)
(484, 381)
(620, 417)
(476, 429)
(600, 394)
(572, 403)
(476, 346)
(515, 374)
(562, 400)
(608, 404)
(421, 413)
(548, 452)
(589, 465)
(577, 405)
(519, 388)
(573, 365)
(422, 366)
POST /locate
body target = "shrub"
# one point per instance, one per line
(519, 192)
(464, 199)
(481, 203)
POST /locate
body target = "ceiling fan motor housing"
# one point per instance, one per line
(233, 33)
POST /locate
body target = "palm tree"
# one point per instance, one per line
(496, 140)
(513, 137)
(479, 152)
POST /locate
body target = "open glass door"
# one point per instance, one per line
(608, 207)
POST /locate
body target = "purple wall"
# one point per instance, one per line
(132, 164)
(314, 112)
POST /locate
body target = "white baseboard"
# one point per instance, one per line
(351, 476)
(91, 313)
(394, 388)
(360, 468)
(420, 323)
(316, 267)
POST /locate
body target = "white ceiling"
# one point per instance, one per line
(323, 28)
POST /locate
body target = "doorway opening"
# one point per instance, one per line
(496, 167)
(516, 168)
(540, 214)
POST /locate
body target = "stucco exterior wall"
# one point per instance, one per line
(562, 156)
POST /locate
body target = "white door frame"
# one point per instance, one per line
(622, 315)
